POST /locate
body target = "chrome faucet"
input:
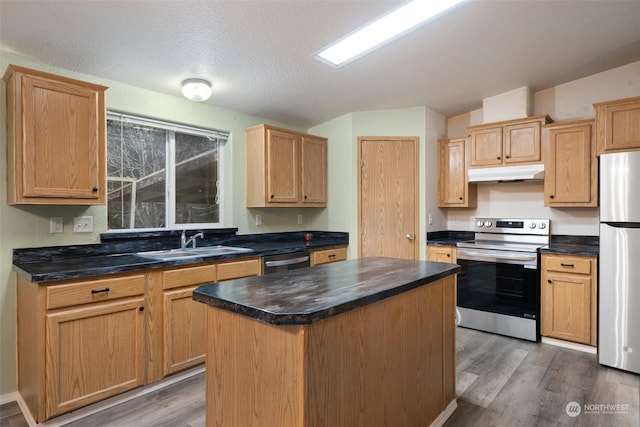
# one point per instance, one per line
(184, 242)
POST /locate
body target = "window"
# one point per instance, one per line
(162, 175)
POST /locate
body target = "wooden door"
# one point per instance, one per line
(522, 143)
(388, 197)
(93, 352)
(486, 146)
(314, 169)
(282, 173)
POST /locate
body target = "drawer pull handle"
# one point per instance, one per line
(99, 291)
(567, 265)
(332, 256)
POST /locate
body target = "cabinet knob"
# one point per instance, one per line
(551, 196)
(141, 309)
(448, 255)
(94, 189)
(272, 196)
(498, 158)
(507, 157)
(305, 197)
(549, 281)
(460, 198)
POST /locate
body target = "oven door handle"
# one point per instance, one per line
(495, 257)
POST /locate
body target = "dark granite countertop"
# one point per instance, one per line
(573, 245)
(308, 295)
(51, 264)
(448, 238)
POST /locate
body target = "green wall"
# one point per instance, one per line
(28, 226)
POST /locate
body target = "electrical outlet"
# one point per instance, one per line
(299, 218)
(258, 219)
(83, 224)
(56, 224)
(430, 218)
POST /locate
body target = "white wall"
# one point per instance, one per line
(573, 100)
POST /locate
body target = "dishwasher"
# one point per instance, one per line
(284, 262)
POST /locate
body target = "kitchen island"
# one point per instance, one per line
(362, 342)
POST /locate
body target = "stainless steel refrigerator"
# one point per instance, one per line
(619, 278)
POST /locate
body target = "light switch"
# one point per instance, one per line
(56, 224)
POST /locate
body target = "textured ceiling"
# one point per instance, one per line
(259, 53)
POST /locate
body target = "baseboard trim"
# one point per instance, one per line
(571, 345)
(444, 415)
(94, 408)
(17, 397)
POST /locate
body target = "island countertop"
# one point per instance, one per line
(308, 295)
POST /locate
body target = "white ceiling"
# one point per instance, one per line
(259, 53)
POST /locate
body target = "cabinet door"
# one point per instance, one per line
(93, 352)
(282, 167)
(314, 170)
(618, 125)
(522, 143)
(566, 307)
(63, 140)
(441, 254)
(452, 173)
(185, 330)
(571, 167)
(486, 147)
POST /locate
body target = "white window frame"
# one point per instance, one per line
(170, 196)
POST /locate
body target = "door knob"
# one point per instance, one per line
(410, 236)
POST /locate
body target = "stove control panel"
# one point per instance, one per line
(512, 226)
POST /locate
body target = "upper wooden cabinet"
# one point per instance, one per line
(506, 143)
(285, 168)
(571, 166)
(453, 188)
(618, 125)
(55, 139)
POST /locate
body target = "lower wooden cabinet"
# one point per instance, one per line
(568, 294)
(184, 320)
(82, 341)
(93, 352)
(79, 342)
(328, 255)
(441, 253)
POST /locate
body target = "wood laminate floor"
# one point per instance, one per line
(500, 382)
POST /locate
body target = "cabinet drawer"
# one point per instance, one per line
(328, 255)
(237, 269)
(567, 264)
(189, 276)
(94, 291)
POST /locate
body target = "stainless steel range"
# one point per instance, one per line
(499, 285)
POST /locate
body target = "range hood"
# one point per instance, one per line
(507, 173)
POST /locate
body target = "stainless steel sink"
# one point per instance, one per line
(170, 254)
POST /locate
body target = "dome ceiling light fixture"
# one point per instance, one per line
(197, 90)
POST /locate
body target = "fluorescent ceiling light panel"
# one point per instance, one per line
(386, 28)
